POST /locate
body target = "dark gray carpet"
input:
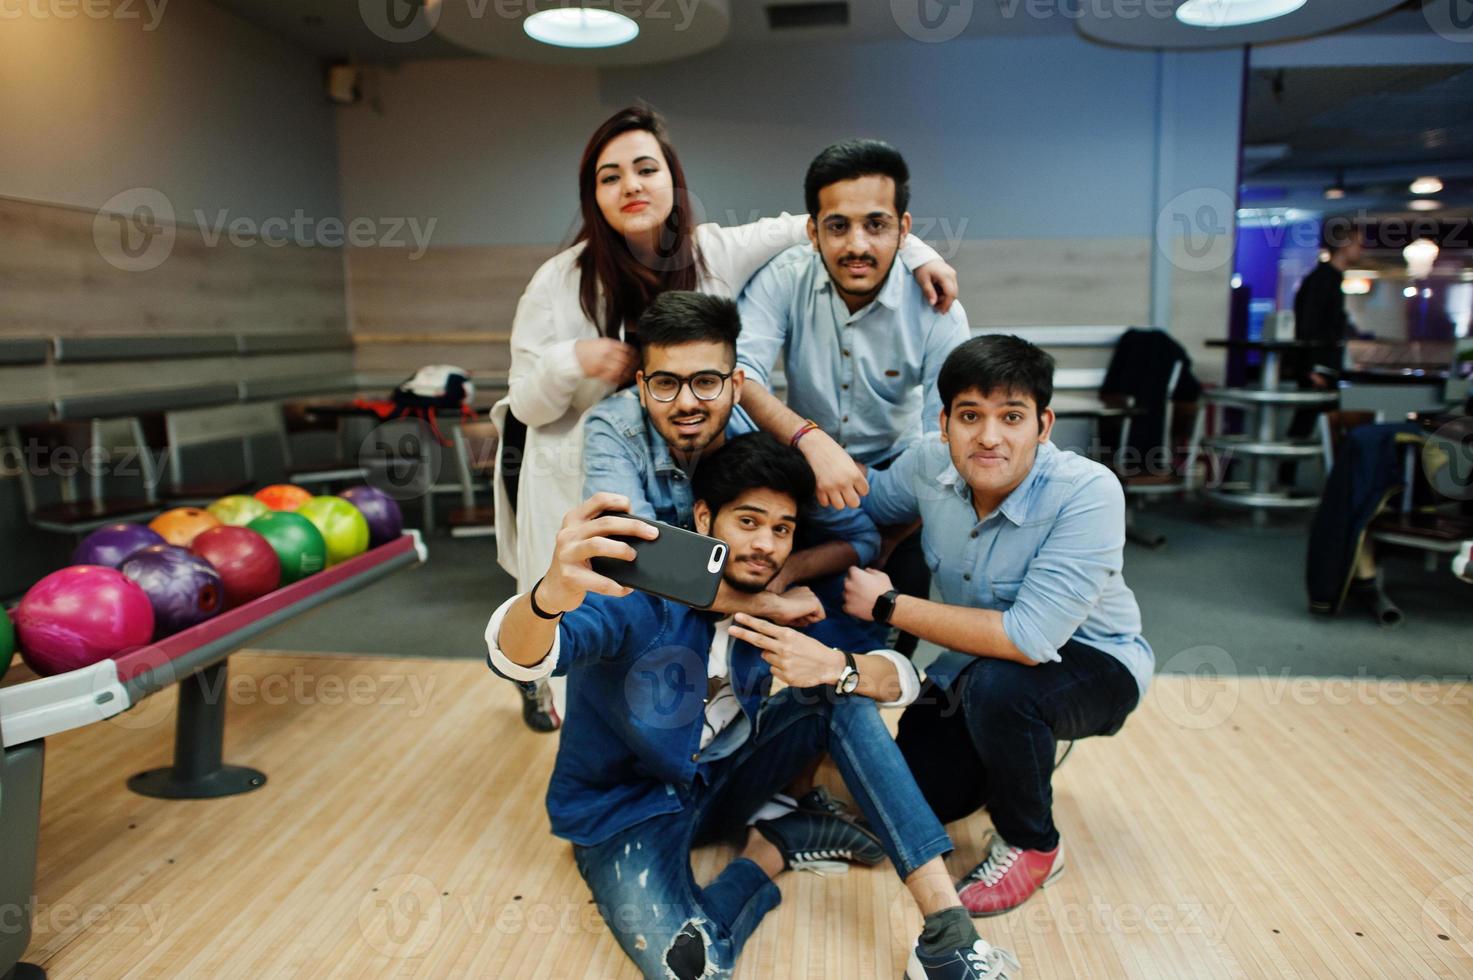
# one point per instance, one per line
(1218, 583)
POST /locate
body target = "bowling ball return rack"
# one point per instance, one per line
(197, 660)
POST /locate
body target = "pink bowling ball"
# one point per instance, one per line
(80, 615)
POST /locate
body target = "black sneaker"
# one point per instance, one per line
(979, 961)
(538, 710)
(817, 842)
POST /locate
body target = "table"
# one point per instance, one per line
(1263, 446)
(197, 659)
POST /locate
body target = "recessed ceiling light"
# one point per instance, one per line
(1424, 204)
(1409, 292)
(1426, 185)
(1334, 193)
(1233, 13)
(580, 27)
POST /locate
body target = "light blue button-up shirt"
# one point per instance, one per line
(624, 453)
(1049, 558)
(868, 378)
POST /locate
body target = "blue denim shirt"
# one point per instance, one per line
(1049, 558)
(623, 453)
(867, 378)
(630, 745)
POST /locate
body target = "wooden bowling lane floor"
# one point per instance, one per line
(1235, 828)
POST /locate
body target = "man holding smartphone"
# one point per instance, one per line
(674, 737)
(1026, 543)
(645, 443)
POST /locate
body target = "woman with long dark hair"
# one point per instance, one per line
(573, 341)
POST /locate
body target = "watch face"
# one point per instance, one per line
(849, 682)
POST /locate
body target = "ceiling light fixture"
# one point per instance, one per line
(1233, 13)
(580, 27)
(1420, 256)
(1426, 185)
(1424, 204)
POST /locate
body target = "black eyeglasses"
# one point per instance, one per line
(705, 385)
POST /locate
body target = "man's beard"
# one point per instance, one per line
(751, 588)
(870, 293)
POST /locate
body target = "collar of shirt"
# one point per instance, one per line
(1015, 505)
(891, 294)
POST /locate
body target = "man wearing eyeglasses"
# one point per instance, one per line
(645, 443)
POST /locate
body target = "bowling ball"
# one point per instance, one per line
(237, 510)
(297, 543)
(247, 563)
(343, 528)
(7, 642)
(283, 496)
(385, 520)
(182, 525)
(112, 544)
(81, 615)
(183, 588)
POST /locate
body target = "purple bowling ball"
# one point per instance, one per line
(113, 544)
(385, 520)
(182, 587)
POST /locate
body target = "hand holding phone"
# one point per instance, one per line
(676, 564)
(596, 531)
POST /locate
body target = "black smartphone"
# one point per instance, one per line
(680, 565)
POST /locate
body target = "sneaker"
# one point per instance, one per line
(817, 842)
(538, 710)
(1008, 876)
(979, 961)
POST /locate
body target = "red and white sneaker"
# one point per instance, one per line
(1008, 876)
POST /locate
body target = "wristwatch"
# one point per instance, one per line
(884, 608)
(849, 676)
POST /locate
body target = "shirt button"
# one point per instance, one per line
(974, 532)
(966, 576)
(696, 757)
(845, 387)
(846, 353)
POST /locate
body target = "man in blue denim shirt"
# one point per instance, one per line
(1026, 545)
(646, 443)
(676, 737)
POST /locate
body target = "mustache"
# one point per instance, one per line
(756, 558)
(859, 258)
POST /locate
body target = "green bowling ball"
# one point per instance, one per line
(7, 642)
(238, 510)
(296, 541)
(343, 526)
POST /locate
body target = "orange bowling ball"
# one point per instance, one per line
(283, 496)
(182, 525)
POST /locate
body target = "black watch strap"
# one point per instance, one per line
(884, 608)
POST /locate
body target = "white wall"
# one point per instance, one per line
(186, 99)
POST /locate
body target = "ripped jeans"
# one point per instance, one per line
(641, 877)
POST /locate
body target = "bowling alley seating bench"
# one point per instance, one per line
(79, 420)
(196, 659)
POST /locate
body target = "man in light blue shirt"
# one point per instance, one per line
(1026, 544)
(646, 444)
(860, 343)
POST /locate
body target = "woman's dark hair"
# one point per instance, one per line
(747, 462)
(997, 362)
(679, 317)
(610, 276)
(857, 158)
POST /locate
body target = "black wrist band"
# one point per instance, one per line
(537, 610)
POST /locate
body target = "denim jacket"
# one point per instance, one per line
(636, 668)
(623, 453)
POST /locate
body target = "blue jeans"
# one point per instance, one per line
(987, 739)
(641, 878)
